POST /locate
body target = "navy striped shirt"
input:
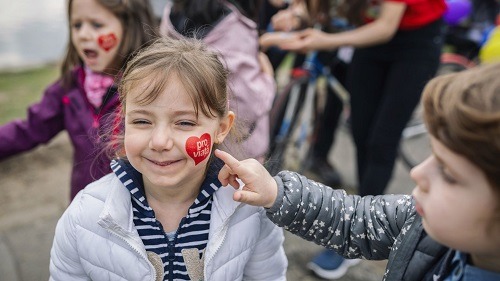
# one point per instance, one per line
(193, 229)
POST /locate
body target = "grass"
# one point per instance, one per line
(20, 89)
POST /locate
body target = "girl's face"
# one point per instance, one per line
(96, 34)
(166, 142)
(456, 202)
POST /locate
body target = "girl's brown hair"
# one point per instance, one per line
(139, 26)
(462, 111)
(199, 70)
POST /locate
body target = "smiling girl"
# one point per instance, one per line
(448, 230)
(161, 214)
(82, 100)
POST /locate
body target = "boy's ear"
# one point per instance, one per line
(226, 123)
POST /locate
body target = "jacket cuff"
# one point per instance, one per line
(279, 197)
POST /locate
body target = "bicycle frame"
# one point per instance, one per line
(297, 126)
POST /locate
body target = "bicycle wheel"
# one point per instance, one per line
(283, 117)
(414, 146)
(449, 67)
(301, 135)
(451, 63)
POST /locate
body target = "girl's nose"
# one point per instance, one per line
(161, 140)
(420, 174)
(85, 32)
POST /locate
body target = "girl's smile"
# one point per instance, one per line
(164, 167)
(163, 163)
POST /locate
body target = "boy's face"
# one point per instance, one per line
(456, 202)
(166, 142)
(96, 34)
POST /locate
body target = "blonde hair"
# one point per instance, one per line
(199, 70)
(462, 110)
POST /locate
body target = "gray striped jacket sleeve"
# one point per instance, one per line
(353, 226)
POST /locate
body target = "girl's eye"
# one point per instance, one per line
(140, 122)
(186, 123)
(447, 177)
(76, 25)
(97, 25)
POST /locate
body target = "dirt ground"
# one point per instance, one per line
(35, 192)
(36, 178)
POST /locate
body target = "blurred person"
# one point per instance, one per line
(398, 46)
(277, 20)
(162, 214)
(448, 229)
(103, 34)
(298, 15)
(230, 28)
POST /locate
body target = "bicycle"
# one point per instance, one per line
(296, 111)
(414, 146)
(295, 114)
(291, 142)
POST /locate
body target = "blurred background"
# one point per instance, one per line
(34, 33)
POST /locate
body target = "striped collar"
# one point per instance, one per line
(193, 231)
(132, 180)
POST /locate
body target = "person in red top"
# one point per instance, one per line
(397, 49)
(417, 13)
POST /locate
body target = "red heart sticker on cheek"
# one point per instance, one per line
(198, 148)
(107, 42)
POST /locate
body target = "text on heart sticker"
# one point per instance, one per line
(198, 148)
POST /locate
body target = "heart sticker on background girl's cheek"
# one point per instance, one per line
(107, 42)
(198, 148)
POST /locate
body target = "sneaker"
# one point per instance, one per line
(326, 173)
(330, 265)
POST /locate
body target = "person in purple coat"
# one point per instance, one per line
(84, 98)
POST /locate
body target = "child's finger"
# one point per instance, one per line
(305, 32)
(233, 182)
(225, 174)
(247, 197)
(226, 177)
(230, 161)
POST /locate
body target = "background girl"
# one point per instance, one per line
(161, 214)
(229, 28)
(103, 34)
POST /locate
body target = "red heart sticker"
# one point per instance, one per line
(198, 148)
(107, 42)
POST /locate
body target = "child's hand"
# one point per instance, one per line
(269, 39)
(308, 40)
(260, 188)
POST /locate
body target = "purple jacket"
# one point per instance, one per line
(67, 110)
